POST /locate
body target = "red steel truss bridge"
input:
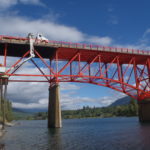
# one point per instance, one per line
(122, 69)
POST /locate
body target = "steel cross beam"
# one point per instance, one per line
(129, 75)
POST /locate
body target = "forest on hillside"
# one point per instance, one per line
(128, 110)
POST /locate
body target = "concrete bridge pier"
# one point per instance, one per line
(54, 109)
(3, 93)
(144, 111)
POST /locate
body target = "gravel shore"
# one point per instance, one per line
(7, 124)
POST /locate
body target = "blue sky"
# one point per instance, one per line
(123, 21)
(104, 22)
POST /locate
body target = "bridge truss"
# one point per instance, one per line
(124, 72)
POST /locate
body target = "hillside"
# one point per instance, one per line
(122, 107)
(19, 114)
(122, 101)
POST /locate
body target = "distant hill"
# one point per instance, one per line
(33, 110)
(126, 108)
(19, 114)
(27, 112)
(18, 110)
(121, 101)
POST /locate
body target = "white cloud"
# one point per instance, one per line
(7, 3)
(68, 101)
(35, 95)
(67, 86)
(21, 26)
(141, 44)
(100, 40)
(26, 95)
(146, 33)
(29, 105)
(34, 2)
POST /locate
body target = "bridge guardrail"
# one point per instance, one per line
(82, 46)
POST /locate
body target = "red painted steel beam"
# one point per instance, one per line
(28, 81)
(127, 76)
(5, 55)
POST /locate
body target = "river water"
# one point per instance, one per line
(79, 134)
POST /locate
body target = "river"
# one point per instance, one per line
(79, 134)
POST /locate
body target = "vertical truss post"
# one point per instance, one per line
(119, 71)
(5, 54)
(71, 73)
(99, 62)
(79, 63)
(56, 61)
(123, 88)
(89, 72)
(148, 68)
(50, 64)
(136, 76)
(120, 74)
(106, 72)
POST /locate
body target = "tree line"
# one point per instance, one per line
(128, 110)
(7, 110)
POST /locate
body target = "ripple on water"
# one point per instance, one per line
(79, 134)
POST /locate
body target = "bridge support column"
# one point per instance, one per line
(3, 93)
(144, 111)
(54, 109)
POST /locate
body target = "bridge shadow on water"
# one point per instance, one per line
(120, 133)
(2, 146)
(144, 135)
(54, 138)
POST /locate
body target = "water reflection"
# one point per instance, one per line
(79, 134)
(144, 135)
(54, 139)
(2, 146)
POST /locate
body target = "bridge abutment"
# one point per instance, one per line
(144, 110)
(54, 109)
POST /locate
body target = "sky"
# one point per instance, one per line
(104, 22)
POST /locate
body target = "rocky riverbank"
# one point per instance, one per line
(1, 131)
(7, 124)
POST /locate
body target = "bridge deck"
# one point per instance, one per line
(16, 47)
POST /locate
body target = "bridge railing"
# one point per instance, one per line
(81, 46)
(98, 47)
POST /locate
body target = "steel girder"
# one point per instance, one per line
(130, 78)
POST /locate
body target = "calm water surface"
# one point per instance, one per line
(79, 134)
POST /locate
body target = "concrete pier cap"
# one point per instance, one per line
(144, 110)
(54, 109)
